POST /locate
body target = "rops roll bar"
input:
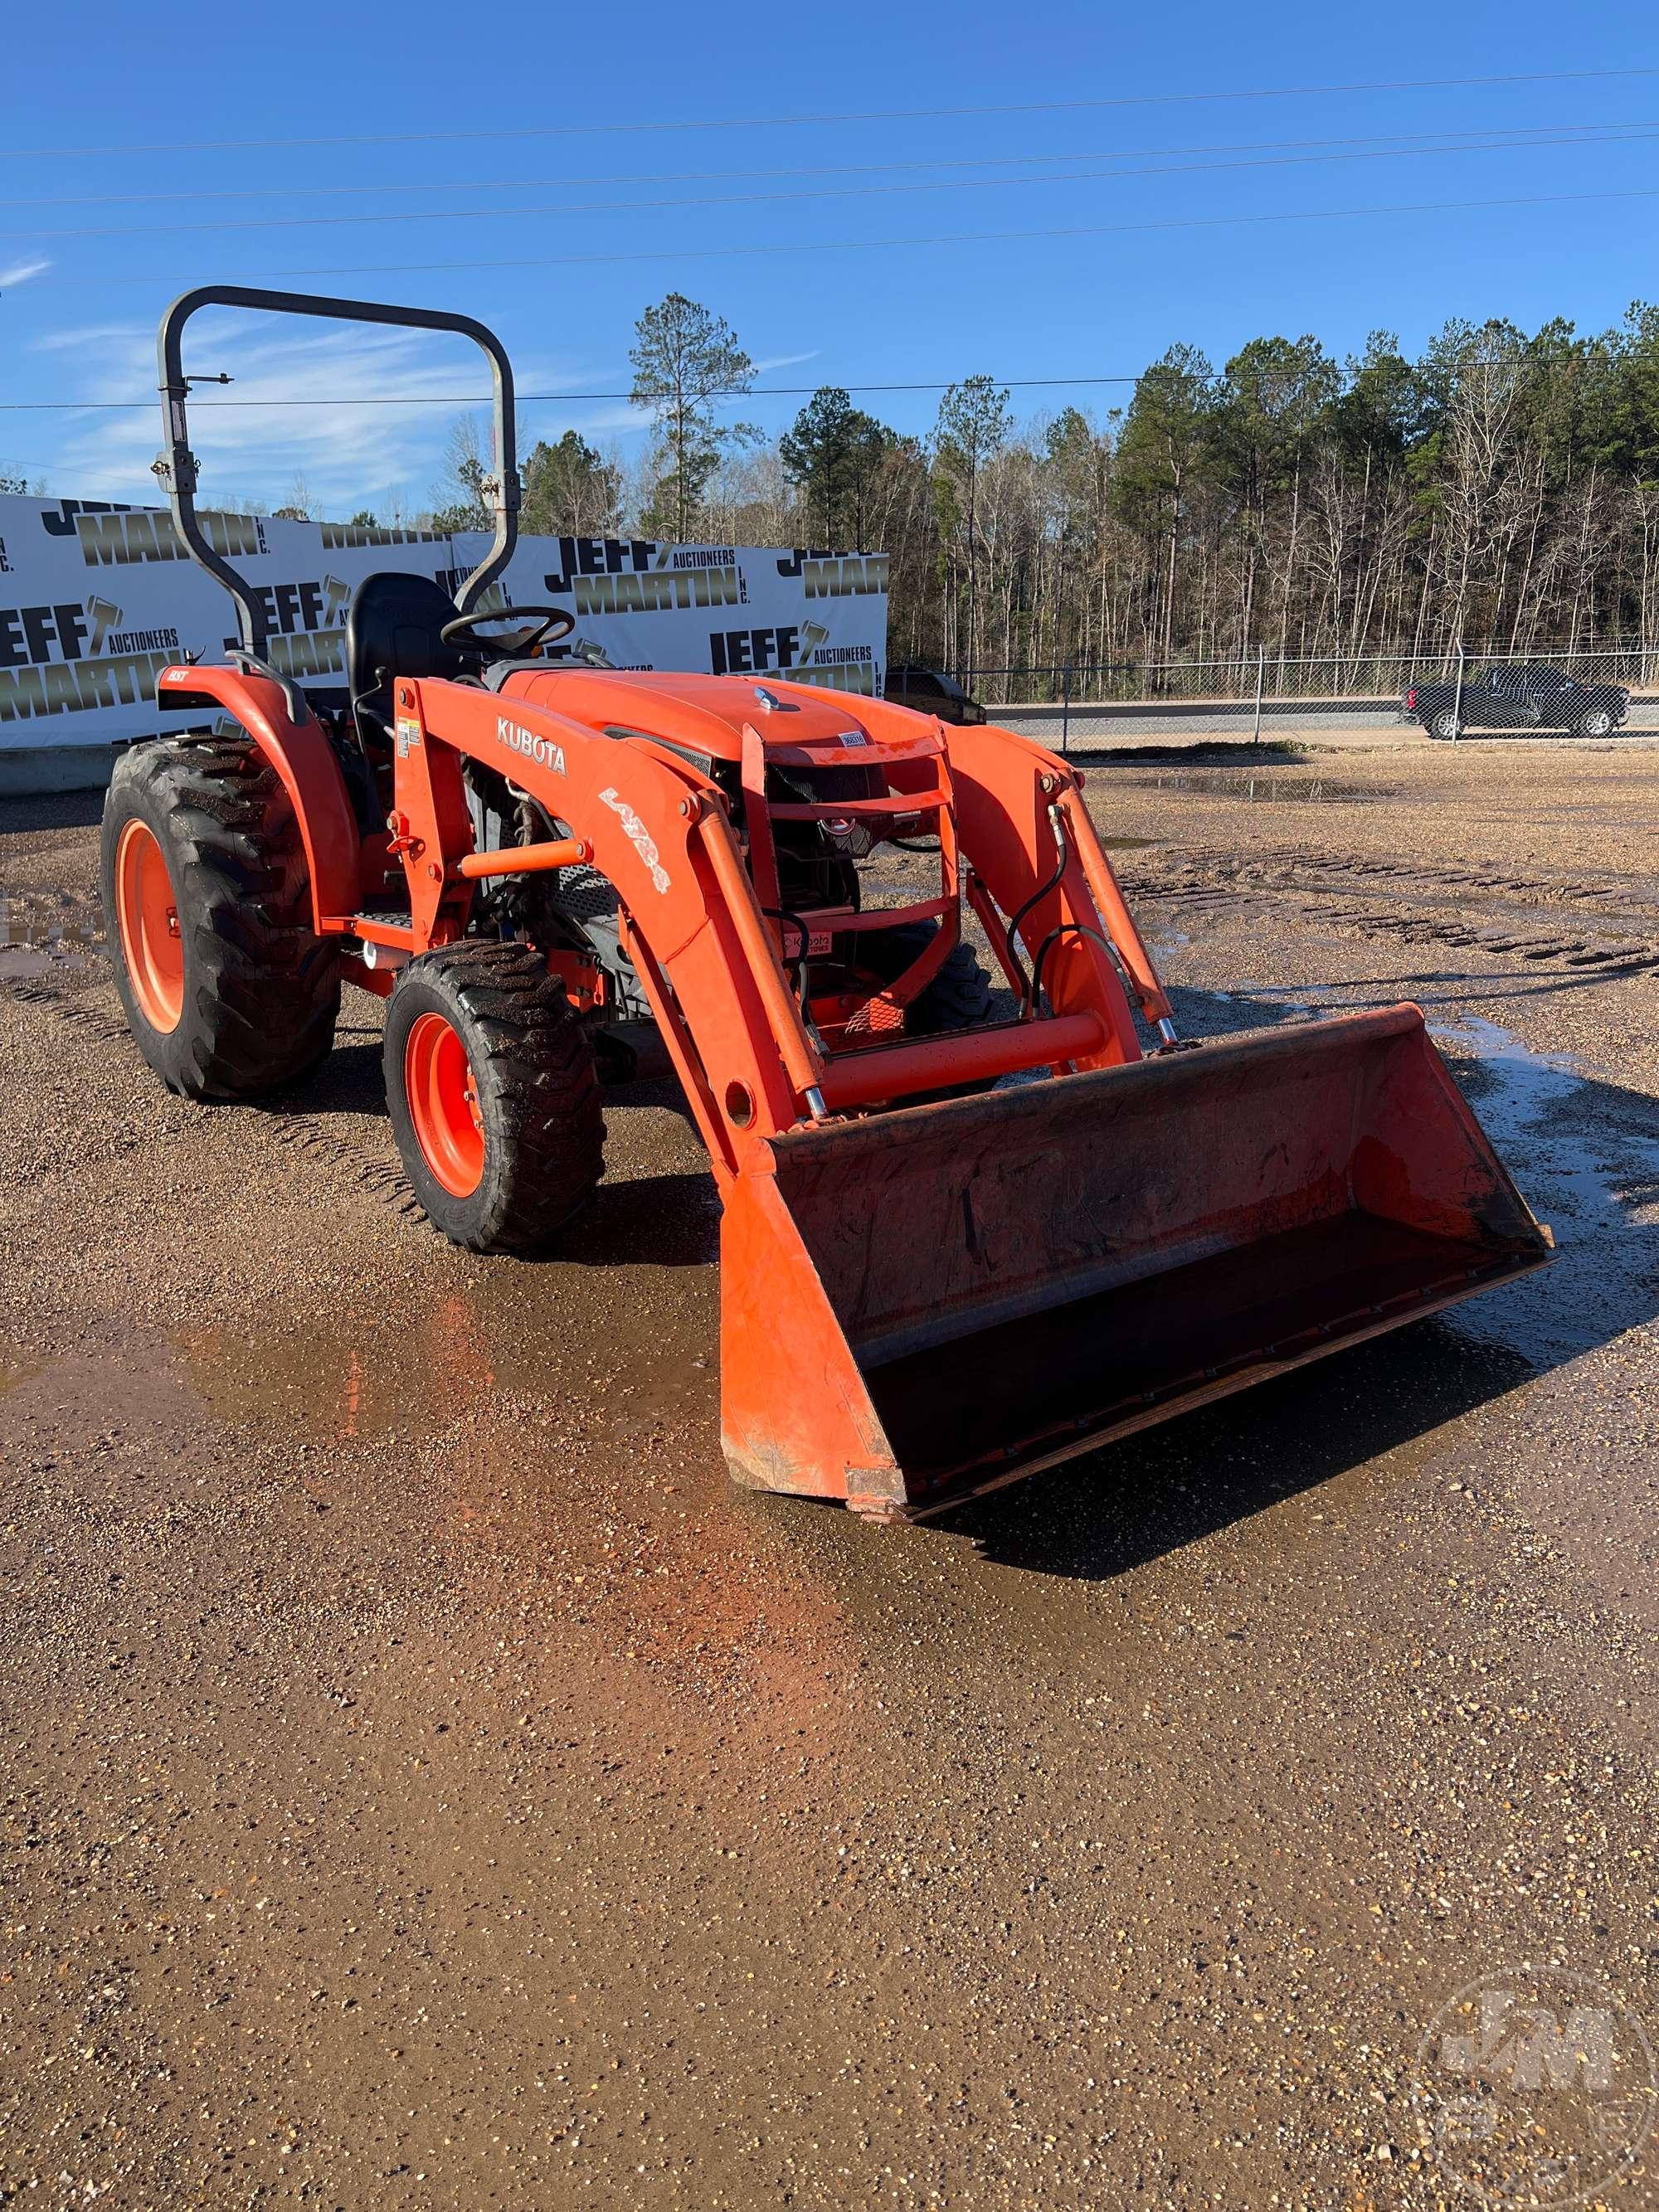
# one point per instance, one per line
(176, 465)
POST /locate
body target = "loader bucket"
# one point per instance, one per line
(934, 1300)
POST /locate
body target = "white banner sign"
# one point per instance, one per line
(95, 600)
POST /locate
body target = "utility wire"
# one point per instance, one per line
(822, 192)
(531, 399)
(405, 138)
(1519, 134)
(155, 279)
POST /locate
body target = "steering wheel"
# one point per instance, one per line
(463, 631)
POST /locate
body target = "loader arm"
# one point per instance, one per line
(1021, 813)
(653, 826)
(662, 834)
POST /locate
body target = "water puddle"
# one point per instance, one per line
(558, 1338)
(1585, 1154)
(567, 1451)
(1266, 789)
(48, 932)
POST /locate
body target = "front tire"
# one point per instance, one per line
(1596, 724)
(494, 1095)
(227, 990)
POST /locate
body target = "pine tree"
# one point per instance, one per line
(832, 455)
(569, 488)
(684, 358)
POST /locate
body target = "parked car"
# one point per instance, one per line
(931, 691)
(1518, 694)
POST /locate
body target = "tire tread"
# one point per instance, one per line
(545, 1153)
(264, 989)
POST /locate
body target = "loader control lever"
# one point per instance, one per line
(463, 631)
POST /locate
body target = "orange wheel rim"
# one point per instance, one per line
(147, 915)
(443, 1105)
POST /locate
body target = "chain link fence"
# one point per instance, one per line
(1604, 693)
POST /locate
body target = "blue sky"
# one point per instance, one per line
(134, 138)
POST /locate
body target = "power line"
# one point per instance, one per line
(791, 122)
(874, 245)
(1519, 134)
(1627, 136)
(531, 399)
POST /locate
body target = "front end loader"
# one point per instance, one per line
(954, 1248)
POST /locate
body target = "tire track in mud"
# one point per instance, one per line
(1603, 941)
(290, 1125)
(87, 1020)
(308, 1133)
(1619, 901)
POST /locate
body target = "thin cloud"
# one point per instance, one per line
(20, 272)
(784, 361)
(85, 334)
(351, 454)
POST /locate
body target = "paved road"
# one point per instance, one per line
(428, 1782)
(1114, 725)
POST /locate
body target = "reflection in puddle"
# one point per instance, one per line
(1267, 788)
(340, 1387)
(567, 1461)
(47, 933)
(543, 1335)
(1585, 1154)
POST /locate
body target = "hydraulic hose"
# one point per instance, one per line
(1037, 898)
(794, 921)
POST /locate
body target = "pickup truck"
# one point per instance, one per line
(930, 691)
(1518, 694)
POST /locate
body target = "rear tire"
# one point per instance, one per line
(958, 997)
(227, 988)
(1445, 725)
(494, 1095)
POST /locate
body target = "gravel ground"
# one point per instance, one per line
(429, 1782)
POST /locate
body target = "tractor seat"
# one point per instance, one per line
(394, 627)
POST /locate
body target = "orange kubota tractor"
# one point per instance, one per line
(931, 1282)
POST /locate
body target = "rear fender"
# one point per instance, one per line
(302, 757)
